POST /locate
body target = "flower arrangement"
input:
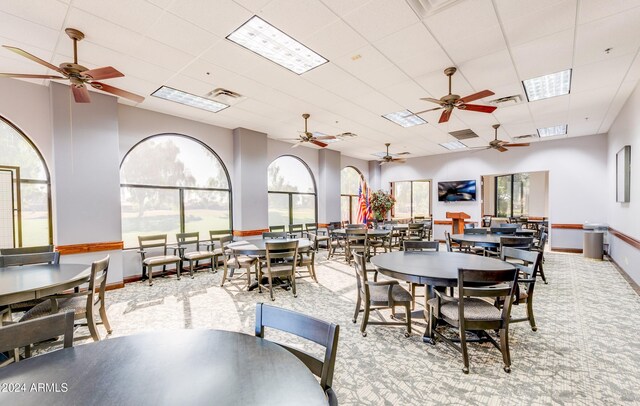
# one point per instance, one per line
(381, 203)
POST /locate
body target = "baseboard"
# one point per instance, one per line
(625, 275)
(114, 286)
(570, 250)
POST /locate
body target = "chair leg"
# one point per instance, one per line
(532, 320)
(178, 269)
(407, 308)
(355, 314)
(541, 272)
(224, 275)
(270, 286)
(191, 268)
(504, 347)
(150, 273)
(465, 353)
(91, 323)
(105, 320)
(413, 296)
(365, 320)
(292, 278)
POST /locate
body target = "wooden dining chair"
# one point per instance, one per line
(296, 230)
(526, 262)
(150, 243)
(277, 229)
(310, 328)
(281, 262)
(27, 333)
(189, 247)
(233, 262)
(422, 246)
(274, 235)
(214, 239)
(87, 304)
(474, 312)
(27, 250)
(539, 247)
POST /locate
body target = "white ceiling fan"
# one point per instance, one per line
(316, 138)
(386, 157)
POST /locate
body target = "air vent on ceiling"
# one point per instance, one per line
(515, 99)
(524, 137)
(463, 134)
(426, 8)
(225, 96)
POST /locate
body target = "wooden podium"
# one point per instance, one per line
(458, 221)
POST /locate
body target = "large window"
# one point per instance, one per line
(412, 199)
(292, 192)
(171, 184)
(25, 191)
(512, 195)
(349, 186)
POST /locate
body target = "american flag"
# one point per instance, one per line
(364, 206)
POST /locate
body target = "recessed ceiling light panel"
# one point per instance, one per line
(552, 131)
(543, 87)
(189, 99)
(453, 145)
(404, 118)
(266, 40)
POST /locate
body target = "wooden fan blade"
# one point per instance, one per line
(524, 144)
(432, 100)
(502, 149)
(445, 116)
(325, 137)
(383, 162)
(81, 94)
(424, 111)
(477, 107)
(28, 76)
(318, 143)
(399, 160)
(34, 58)
(107, 72)
(476, 96)
(297, 144)
(118, 92)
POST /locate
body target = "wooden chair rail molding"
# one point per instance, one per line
(90, 247)
(247, 233)
(567, 226)
(626, 238)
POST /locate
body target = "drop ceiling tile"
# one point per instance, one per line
(511, 9)
(384, 77)
(50, 14)
(490, 71)
(424, 62)
(594, 9)
(407, 94)
(13, 28)
(436, 83)
(157, 53)
(136, 16)
(618, 102)
(620, 32)
(220, 17)
(335, 40)
(544, 56)
(558, 104)
(516, 113)
(99, 31)
(255, 6)
(344, 7)
(381, 18)
(181, 34)
(518, 129)
(230, 56)
(377, 103)
(473, 44)
(542, 22)
(407, 43)
(609, 72)
(336, 80)
(298, 18)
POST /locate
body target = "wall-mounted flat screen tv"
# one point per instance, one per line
(457, 191)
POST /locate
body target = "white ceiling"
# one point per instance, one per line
(384, 55)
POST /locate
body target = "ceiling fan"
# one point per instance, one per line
(451, 101)
(387, 157)
(499, 144)
(78, 75)
(317, 138)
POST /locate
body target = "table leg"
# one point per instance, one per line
(428, 294)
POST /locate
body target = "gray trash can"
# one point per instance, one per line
(593, 240)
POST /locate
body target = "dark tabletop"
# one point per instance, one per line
(258, 247)
(182, 367)
(486, 240)
(19, 283)
(432, 268)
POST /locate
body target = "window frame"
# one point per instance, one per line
(291, 194)
(181, 189)
(411, 182)
(350, 196)
(511, 177)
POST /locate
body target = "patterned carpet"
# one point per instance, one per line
(583, 352)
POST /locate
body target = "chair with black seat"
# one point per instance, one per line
(277, 229)
(336, 241)
(86, 304)
(274, 235)
(214, 245)
(433, 246)
(281, 262)
(451, 246)
(355, 226)
(539, 247)
(27, 333)
(233, 262)
(379, 242)
(474, 312)
(156, 242)
(316, 330)
(470, 247)
(526, 262)
(189, 247)
(523, 243)
(486, 221)
(415, 232)
(503, 230)
(356, 240)
(378, 295)
(428, 229)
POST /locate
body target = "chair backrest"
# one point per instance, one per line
(30, 259)
(189, 239)
(525, 261)
(214, 235)
(475, 231)
(355, 226)
(357, 236)
(361, 273)
(469, 225)
(524, 243)
(277, 229)
(416, 227)
(295, 228)
(542, 242)
(281, 250)
(316, 330)
(25, 333)
(273, 235)
(153, 241)
(503, 230)
(26, 250)
(486, 221)
(311, 227)
(448, 242)
(487, 284)
(99, 270)
(421, 246)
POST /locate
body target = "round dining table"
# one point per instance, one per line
(432, 269)
(181, 367)
(371, 232)
(258, 247)
(479, 240)
(29, 282)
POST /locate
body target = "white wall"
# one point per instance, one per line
(362, 165)
(625, 217)
(577, 172)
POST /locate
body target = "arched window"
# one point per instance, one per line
(25, 191)
(170, 184)
(349, 187)
(292, 192)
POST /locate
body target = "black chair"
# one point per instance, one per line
(475, 231)
(432, 246)
(27, 333)
(526, 262)
(539, 247)
(316, 330)
(281, 262)
(474, 312)
(378, 295)
(503, 230)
